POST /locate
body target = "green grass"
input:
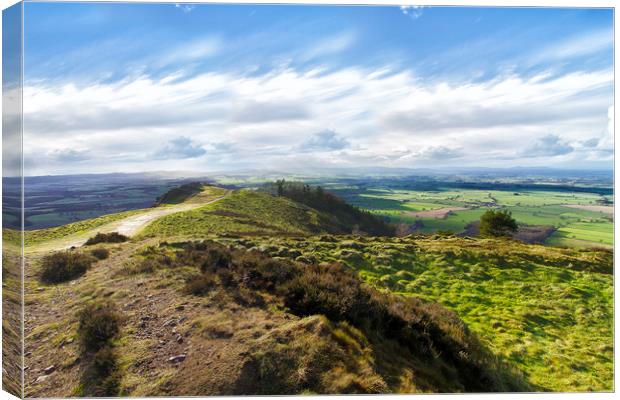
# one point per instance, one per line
(535, 306)
(243, 212)
(191, 193)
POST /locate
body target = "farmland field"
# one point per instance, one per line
(579, 218)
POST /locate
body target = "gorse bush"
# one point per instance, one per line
(64, 266)
(98, 323)
(112, 237)
(100, 253)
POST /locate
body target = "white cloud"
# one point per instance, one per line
(186, 8)
(377, 118)
(414, 12)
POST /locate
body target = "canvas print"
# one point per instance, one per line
(252, 199)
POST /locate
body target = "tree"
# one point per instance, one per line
(494, 223)
(280, 184)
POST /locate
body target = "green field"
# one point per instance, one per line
(574, 227)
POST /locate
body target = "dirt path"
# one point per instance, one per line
(128, 226)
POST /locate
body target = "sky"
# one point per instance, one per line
(143, 87)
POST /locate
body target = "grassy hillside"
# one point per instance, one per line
(548, 311)
(350, 218)
(203, 319)
(245, 212)
(275, 292)
(194, 192)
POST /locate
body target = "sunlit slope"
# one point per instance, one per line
(548, 311)
(246, 212)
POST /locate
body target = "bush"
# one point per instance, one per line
(100, 253)
(98, 323)
(496, 223)
(101, 377)
(216, 258)
(200, 285)
(64, 266)
(112, 237)
(330, 290)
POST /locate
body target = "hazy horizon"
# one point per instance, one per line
(208, 87)
(316, 171)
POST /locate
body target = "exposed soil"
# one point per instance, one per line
(439, 213)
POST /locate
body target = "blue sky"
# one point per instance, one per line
(132, 87)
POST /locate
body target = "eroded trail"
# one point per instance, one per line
(128, 226)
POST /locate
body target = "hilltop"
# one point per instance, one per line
(250, 212)
(217, 298)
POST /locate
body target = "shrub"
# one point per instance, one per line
(200, 285)
(64, 266)
(98, 323)
(101, 377)
(331, 290)
(100, 253)
(215, 258)
(112, 237)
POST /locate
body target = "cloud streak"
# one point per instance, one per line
(376, 117)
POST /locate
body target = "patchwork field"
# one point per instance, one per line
(579, 218)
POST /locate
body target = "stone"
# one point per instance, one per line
(170, 322)
(49, 369)
(177, 359)
(42, 378)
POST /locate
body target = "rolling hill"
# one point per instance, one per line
(256, 293)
